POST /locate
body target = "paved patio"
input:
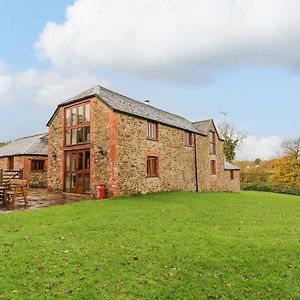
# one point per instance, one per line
(39, 198)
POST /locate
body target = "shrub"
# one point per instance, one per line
(274, 188)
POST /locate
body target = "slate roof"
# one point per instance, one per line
(229, 166)
(30, 145)
(205, 125)
(133, 107)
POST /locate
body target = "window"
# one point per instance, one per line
(152, 132)
(188, 138)
(77, 124)
(152, 166)
(231, 174)
(212, 142)
(37, 165)
(213, 167)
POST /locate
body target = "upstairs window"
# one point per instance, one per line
(152, 166)
(212, 142)
(37, 165)
(188, 138)
(77, 124)
(152, 131)
(213, 167)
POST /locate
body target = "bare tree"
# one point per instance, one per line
(232, 138)
(292, 147)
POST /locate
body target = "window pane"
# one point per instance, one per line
(73, 161)
(67, 182)
(68, 155)
(73, 115)
(73, 182)
(80, 181)
(80, 160)
(87, 113)
(152, 130)
(68, 137)
(87, 133)
(68, 117)
(152, 166)
(153, 162)
(80, 114)
(87, 160)
(74, 136)
(80, 135)
(148, 167)
(87, 183)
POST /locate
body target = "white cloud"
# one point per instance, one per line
(44, 88)
(174, 39)
(264, 148)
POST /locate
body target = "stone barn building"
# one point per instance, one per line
(28, 154)
(102, 137)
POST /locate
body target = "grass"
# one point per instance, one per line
(160, 246)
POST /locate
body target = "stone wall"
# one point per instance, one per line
(100, 141)
(176, 161)
(207, 181)
(232, 185)
(37, 178)
(56, 153)
(3, 163)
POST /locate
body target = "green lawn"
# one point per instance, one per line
(161, 246)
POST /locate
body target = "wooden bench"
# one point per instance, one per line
(18, 188)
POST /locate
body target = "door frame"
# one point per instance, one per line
(82, 172)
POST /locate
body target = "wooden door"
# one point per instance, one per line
(10, 163)
(77, 171)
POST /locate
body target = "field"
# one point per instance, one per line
(159, 246)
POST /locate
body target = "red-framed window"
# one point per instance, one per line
(77, 124)
(37, 165)
(152, 166)
(231, 175)
(152, 131)
(213, 167)
(212, 142)
(188, 138)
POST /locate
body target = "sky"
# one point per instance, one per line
(233, 60)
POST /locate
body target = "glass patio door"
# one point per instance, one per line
(77, 171)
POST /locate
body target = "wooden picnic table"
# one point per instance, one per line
(17, 189)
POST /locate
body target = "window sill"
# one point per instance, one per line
(150, 139)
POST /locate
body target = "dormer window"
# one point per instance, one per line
(152, 131)
(212, 142)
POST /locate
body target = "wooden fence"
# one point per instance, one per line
(5, 175)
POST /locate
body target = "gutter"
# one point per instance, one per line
(196, 167)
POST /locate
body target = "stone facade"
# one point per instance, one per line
(232, 182)
(37, 178)
(176, 163)
(56, 153)
(119, 150)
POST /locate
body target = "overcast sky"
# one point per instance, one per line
(195, 58)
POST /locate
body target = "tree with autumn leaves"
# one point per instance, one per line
(287, 169)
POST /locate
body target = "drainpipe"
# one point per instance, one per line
(196, 167)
